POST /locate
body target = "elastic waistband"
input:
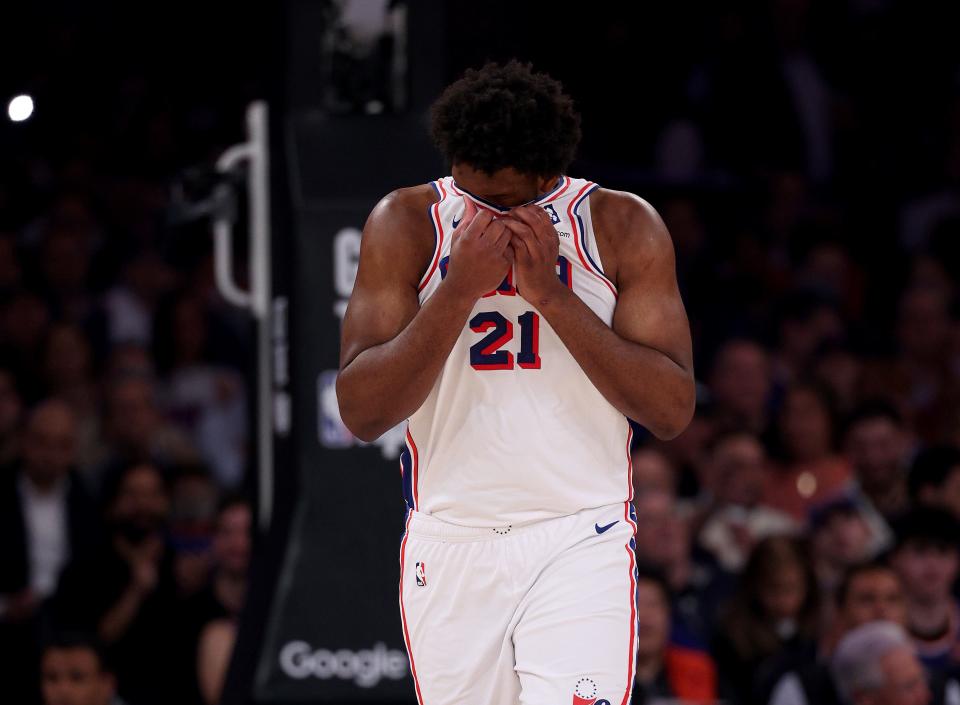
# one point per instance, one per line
(425, 525)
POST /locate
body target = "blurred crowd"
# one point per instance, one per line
(797, 544)
(125, 520)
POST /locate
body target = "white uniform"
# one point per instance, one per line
(517, 566)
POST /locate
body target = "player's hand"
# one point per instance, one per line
(536, 246)
(480, 256)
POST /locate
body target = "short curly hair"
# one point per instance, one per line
(505, 115)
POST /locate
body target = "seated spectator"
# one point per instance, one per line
(809, 470)
(68, 374)
(935, 479)
(740, 385)
(771, 623)
(840, 539)
(920, 380)
(877, 445)
(733, 479)
(875, 665)
(925, 557)
(46, 519)
(667, 670)
(867, 593)
(697, 583)
(652, 471)
(206, 399)
(193, 510)
(74, 671)
(135, 429)
(127, 593)
(209, 618)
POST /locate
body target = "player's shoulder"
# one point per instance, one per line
(399, 226)
(408, 203)
(627, 222)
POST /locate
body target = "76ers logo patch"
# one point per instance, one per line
(421, 574)
(585, 693)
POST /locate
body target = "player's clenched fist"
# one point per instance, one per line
(535, 245)
(480, 255)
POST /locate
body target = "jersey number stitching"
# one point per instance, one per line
(486, 353)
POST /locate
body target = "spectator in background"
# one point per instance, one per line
(667, 671)
(65, 264)
(935, 479)
(925, 557)
(127, 592)
(867, 593)
(135, 429)
(806, 322)
(46, 518)
(877, 445)
(920, 380)
(193, 511)
(11, 410)
(652, 471)
(74, 671)
(68, 374)
(771, 623)
(216, 611)
(207, 400)
(24, 319)
(697, 583)
(734, 479)
(809, 470)
(128, 307)
(841, 539)
(839, 368)
(740, 386)
(875, 665)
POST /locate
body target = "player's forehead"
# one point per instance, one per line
(506, 187)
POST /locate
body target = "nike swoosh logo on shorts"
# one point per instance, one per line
(601, 529)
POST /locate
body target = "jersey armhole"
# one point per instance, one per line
(433, 212)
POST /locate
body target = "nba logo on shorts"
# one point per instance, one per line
(421, 574)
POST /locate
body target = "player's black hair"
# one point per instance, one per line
(505, 115)
(932, 467)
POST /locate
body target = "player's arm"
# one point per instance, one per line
(391, 348)
(643, 365)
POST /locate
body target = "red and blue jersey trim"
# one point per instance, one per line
(434, 212)
(580, 236)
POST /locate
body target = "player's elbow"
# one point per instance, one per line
(353, 413)
(677, 413)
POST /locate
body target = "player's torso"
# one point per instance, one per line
(513, 430)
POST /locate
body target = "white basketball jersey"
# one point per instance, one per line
(513, 431)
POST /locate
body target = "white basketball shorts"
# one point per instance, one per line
(541, 614)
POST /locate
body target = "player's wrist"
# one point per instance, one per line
(458, 293)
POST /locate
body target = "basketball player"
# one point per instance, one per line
(515, 317)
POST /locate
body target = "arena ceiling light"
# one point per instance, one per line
(20, 108)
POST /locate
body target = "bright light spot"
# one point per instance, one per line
(20, 108)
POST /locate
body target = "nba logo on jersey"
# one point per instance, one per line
(421, 574)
